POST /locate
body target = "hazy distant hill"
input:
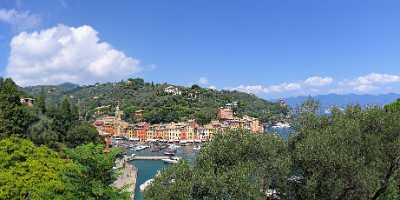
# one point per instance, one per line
(53, 91)
(329, 100)
(159, 105)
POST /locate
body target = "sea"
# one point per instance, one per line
(147, 169)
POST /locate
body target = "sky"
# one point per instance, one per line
(270, 48)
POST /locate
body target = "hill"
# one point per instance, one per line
(329, 100)
(160, 102)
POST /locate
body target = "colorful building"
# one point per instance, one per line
(188, 131)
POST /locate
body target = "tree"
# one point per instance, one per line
(14, 117)
(235, 165)
(82, 134)
(29, 172)
(393, 107)
(64, 117)
(41, 102)
(347, 155)
(42, 133)
(96, 172)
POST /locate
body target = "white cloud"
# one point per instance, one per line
(370, 82)
(309, 83)
(253, 89)
(19, 20)
(318, 81)
(66, 54)
(203, 81)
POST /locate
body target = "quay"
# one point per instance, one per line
(150, 157)
(127, 179)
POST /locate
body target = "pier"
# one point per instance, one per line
(150, 157)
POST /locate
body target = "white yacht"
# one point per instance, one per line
(141, 147)
(146, 184)
(172, 160)
(281, 125)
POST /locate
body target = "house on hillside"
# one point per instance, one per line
(172, 90)
(27, 101)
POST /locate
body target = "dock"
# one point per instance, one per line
(150, 157)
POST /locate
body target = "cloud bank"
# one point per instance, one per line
(66, 54)
(373, 83)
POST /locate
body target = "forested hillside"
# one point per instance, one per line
(159, 105)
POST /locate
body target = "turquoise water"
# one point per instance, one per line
(147, 169)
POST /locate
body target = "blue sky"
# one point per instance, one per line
(270, 48)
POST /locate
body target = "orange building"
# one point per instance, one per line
(225, 113)
(141, 130)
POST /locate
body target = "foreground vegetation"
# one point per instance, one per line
(48, 153)
(351, 154)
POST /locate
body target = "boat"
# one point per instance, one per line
(169, 152)
(134, 139)
(141, 147)
(146, 184)
(174, 146)
(172, 160)
(183, 142)
(163, 146)
(197, 141)
(197, 148)
(281, 125)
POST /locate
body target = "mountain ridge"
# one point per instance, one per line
(342, 100)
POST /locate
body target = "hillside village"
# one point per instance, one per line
(185, 131)
(160, 102)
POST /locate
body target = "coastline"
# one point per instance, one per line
(127, 179)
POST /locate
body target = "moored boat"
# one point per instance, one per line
(169, 152)
(197, 148)
(141, 147)
(146, 184)
(172, 160)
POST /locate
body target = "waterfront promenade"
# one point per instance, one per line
(150, 157)
(127, 179)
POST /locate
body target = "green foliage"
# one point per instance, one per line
(82, 134)
(41, 102)
(348, 155)
(14, 117)
(393, 107)
(236, 165)
(96, 173)
(42, 133)
(29, 172)
(194, 102)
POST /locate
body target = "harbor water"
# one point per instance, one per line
(147, 169)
